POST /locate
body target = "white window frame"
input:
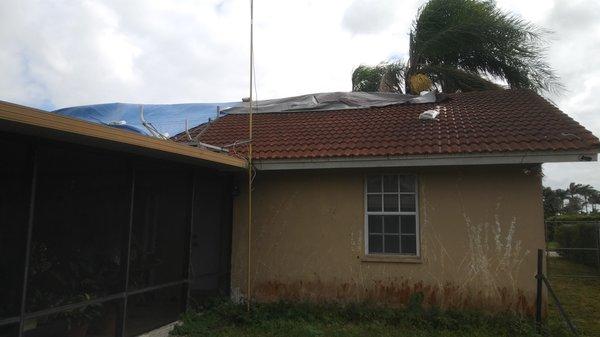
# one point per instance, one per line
(415, 213)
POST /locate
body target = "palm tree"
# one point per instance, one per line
(586, 191)
(574, 204)
(386, 77)
(553, 201)
(594, 200)
(467, 44)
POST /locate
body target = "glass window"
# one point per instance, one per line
(391, 214)
(14, 207)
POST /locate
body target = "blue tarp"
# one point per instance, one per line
(166, 118)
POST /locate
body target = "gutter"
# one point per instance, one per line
(429, 160)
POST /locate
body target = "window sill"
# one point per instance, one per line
(391, 259)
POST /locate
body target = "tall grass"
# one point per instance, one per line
(223, 318)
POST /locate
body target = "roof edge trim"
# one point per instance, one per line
(432, 160)
(14, 114)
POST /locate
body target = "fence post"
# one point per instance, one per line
(539, 289)
(598, 246)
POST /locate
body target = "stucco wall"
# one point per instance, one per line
(480, 229)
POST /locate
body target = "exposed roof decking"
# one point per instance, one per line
(25, 120)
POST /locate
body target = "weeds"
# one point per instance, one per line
(220, 318)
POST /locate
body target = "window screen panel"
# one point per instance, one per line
(409, 244)
(407, 203)
(375, 223)
(407, 183)
(15, 189)
(390, 183)
(376, 243)
(374, 202)
(374, 184)
(392, 224)
(408, 224)
(81, 214)
(390, 202)
(392, 244)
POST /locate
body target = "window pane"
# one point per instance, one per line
(375, 224)
(14, 207)
(390, 183)
(375, 243)
(374, 203)
(161, 221)
(407, 203)
(407, 183)
(392, 244)
(409, 244)
(390, 202)
(151, 310)
(408, 223)
(373, 184)
(81, 212)
(392, 224)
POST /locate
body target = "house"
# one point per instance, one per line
(375, 204)
(105, 231)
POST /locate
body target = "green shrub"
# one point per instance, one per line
(578, 235)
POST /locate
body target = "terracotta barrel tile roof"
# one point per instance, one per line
(477, 122)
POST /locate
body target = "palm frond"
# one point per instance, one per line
(451, 79)
(478, 38)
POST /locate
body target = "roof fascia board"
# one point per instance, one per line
(434, 160)
(18, 118)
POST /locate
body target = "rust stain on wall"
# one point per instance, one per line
(394, 294)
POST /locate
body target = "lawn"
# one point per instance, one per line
(224, 319)
(580, 296)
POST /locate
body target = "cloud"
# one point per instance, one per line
(574, 54)
(369, 16)
(73, 52)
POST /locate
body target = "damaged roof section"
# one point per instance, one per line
(485, 122)
(336, 101)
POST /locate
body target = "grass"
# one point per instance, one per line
(579, 296)
(224, 319)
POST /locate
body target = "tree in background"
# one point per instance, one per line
(385, 77)
(595, 200)
(463, 45)
(553, 201)
(575, 199)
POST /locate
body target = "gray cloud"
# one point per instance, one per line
(574, 54)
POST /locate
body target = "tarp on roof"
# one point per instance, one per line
(336, 101)
(169, 119)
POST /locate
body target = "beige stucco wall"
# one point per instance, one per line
(480, 229)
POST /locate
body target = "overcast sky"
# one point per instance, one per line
(62, 53)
